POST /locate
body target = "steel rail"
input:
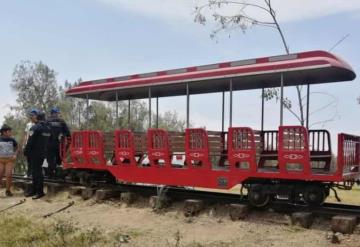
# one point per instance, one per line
(150, 189)
(331, 209)
(180, 193)
(17, 177)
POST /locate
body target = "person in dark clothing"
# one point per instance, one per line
(35, 149)
(59, 130)
(32, 115)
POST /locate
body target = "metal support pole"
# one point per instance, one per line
(223, 112)
(87, 107)
(281, 99)
(80, 109)
(262, 108)
(149, 107)
(307, 105)
(187, 106)
(129, 114)
(117, 109)
(157, 112)
(231, 104)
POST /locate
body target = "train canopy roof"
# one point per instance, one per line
(298, 69)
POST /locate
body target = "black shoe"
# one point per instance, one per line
(38, 196)
(30, 194)
(8, 193)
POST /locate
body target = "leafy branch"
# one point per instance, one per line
(244, 19)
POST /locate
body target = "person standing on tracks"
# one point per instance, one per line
(8, 153)
(35, 150)
(59, 130)
(32, 115)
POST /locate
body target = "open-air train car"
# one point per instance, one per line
(293, 160)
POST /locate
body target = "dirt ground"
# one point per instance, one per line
(170, 228)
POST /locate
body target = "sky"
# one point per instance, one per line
(92, 39)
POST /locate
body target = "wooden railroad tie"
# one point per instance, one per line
(18, 184)
(159, 202)
(304, 219)
(76, 190)
(87, 193)
(53, 188)
(128, 197)
(104, 194)
(238, 211)
(193, 207)
(27, 187)
(343, 224)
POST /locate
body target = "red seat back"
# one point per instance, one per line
(78, 148)
(294, 153)
(158, 146)
(348, 160)
(197, 147)
(95, 148)
(242, 148)
(124, 147)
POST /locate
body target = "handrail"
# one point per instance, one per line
(348, 155)
(319, 140)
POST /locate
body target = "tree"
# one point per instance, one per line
(102, 115)
(248, 14)
(35, 85)
(170, 121)
(138, 115)
(72, 109)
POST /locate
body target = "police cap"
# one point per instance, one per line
(55, 110)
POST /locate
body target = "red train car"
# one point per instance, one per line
(292, 162)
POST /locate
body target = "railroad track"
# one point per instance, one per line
(331, 209)
(178, 194)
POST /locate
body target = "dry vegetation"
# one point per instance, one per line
(114, 224)
(24, 231)
(347, 196)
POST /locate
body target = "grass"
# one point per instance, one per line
(178, 237)
(346, 196)
(16, 231)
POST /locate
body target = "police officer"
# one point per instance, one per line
(32, 115)
(59, 130)
(35, 150)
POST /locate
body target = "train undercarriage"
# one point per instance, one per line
(260, 193)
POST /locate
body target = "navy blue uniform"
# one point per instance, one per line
(35, 150)
(59, 130)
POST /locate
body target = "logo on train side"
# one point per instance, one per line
(241, 155)
(222, 182)
(196, 155)
(157, 154)
(124, 153)
(293, 156)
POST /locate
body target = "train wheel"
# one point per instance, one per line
(72, 175)
(314, 195)
(257, 196)
(84, 178)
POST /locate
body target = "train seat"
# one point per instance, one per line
(159, 153)
(197, 148)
